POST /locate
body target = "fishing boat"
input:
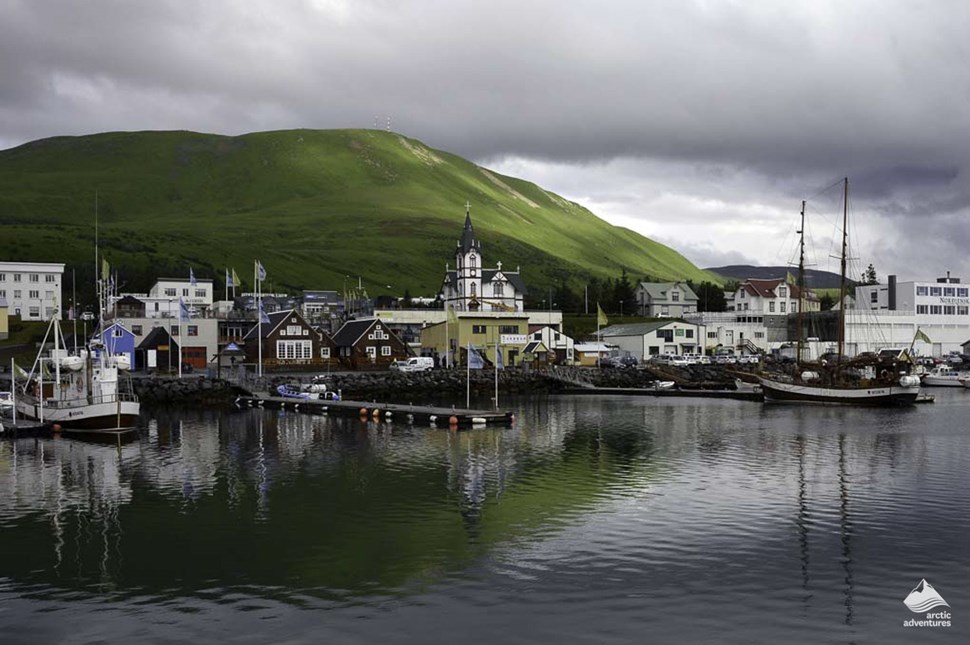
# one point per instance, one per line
(864, 380)
(89, 390)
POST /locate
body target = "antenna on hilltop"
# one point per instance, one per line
(388, 122)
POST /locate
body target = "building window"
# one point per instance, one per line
(117, 332)
(200, 293)
(192, 330)
(34, 294)
(508, 329)
(498, 289)
(935, 310)
(324, 352)
(962, 311)
(474, 289)
(48, 278)
(922, 291)
(665, 310)
(174, 331)
(3, 277)
(17, 293)
(936, 291)
(136, 330)
(690, 333)
(949, 310)
(170, 291)
(873, 296)
(478, 329)
(34, 277)
(294, 349)
(771, 306)
(921, 309)
(3, 293)
(782, 305)
(385, 350)
(34, 312)
(782, 292)
(962, 292)
(16, 277)
(371, 352)
(675, 296)
(185, 293)
(948, 291)
(666, 335)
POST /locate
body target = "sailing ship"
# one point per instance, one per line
(863, 380)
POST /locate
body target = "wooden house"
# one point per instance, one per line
(288, 342)
(368, 344)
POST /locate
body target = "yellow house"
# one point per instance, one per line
(4, 321)
(448, 341)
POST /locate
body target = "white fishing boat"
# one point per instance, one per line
(869, 380)
(85, 391)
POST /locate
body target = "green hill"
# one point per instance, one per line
(315, 206)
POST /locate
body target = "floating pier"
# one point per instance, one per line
(405, 413)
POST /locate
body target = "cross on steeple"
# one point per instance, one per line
(468, 208)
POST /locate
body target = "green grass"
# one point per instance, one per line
(314, 206)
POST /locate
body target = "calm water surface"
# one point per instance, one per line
(592, 520)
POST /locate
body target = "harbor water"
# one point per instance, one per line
(591, 519)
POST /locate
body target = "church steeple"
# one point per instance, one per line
(468, 241)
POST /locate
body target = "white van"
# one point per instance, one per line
(417, 364)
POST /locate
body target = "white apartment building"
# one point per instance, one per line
(32, 289)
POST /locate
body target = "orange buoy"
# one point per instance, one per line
(377, 413)
(453, 421)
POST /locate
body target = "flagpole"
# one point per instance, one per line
(497, 341)
(181, 337)
(259, 314)
(468, 377)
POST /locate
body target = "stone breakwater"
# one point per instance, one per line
(191, 390)
(415, 386)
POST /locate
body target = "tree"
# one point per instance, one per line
(869, 277)
(624, 297)
(826, 301)
(710, 297)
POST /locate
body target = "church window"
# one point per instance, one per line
(498, 289)
(473, 290)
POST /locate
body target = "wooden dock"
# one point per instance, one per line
(405, 413)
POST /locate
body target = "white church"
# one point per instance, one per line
(472, 287)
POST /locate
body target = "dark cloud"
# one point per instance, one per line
(715, 112)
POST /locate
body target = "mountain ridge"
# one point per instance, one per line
(317, 207)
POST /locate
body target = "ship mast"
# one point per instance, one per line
(801, 285)
(845, 237)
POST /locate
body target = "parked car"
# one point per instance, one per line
(680, 360)
(725, 359)
(749, 359)
(417, 364)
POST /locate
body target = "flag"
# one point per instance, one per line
(235, 279)
(263, 316)
(229, 279)
(600, 316)
(475, 361)
(499, 361)
(260, 271)
(183, 311)
(790, 279)
(192, 277)
(922, 336)
(105, 269)
(19, 371)
(452, 316)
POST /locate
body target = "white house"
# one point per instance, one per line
(472, 287)
(555, 341)
(644, 340)
(665, 299)
(32, 289)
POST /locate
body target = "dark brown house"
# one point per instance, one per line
(289, 342)
(368, 344)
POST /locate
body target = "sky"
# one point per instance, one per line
(701, 124)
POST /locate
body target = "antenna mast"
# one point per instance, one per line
(845, 238)
(801, 285)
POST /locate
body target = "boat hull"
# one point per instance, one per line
(781, 392)
(109, 415)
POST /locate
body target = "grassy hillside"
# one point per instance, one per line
(315, 206)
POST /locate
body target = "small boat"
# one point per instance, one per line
(6, 404)
(945, 376)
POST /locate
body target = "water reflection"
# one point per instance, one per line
(736, 504)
